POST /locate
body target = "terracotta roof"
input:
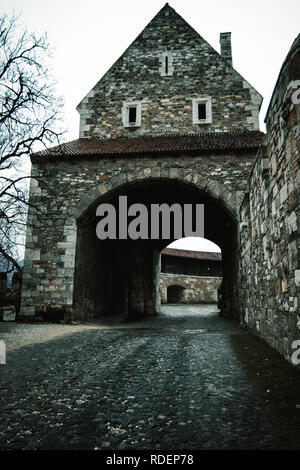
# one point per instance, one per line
(100, 147)
(204, 255)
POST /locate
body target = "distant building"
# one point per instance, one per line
(190, 277)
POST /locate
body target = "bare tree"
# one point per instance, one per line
(30, 113)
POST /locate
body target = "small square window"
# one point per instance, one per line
(131, 114)
(202, 110)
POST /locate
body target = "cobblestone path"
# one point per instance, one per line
(169, 383)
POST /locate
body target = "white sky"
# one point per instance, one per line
(88, 36)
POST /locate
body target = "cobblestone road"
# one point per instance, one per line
(169, 383)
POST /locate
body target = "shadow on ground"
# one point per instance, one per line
(276, 380)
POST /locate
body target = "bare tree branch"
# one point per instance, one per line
(10, 258)
(30, 114)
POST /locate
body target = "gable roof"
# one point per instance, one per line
(161, 144)
(172, 14)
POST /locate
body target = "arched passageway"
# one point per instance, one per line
(175, 294)
(122, 276)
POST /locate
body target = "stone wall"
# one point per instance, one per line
(197, 289)
(197, 71)
(270, 221)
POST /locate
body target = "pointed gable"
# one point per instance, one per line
(169, 80)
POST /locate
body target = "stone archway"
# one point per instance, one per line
(230, 200)
(80, 182)
(121, 276)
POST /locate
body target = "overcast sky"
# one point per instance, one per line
(88, 37)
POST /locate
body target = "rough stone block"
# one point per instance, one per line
(8, 313)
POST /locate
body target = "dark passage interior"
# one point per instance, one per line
(122, 276)
(175, 294)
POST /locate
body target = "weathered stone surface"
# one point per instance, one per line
(8, 313)
(166, 101)
(48, 279)
(269, 287)
(196, 289)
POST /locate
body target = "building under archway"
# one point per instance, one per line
(195, 275)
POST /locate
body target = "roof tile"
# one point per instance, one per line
(204, 255)
(103, 147)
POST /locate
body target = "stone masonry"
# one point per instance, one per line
(198, 71)
(270, 220)
(51, 246)
(196, 289)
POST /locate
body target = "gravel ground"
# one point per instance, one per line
(172, 382)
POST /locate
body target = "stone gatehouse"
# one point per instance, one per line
(170, 122)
